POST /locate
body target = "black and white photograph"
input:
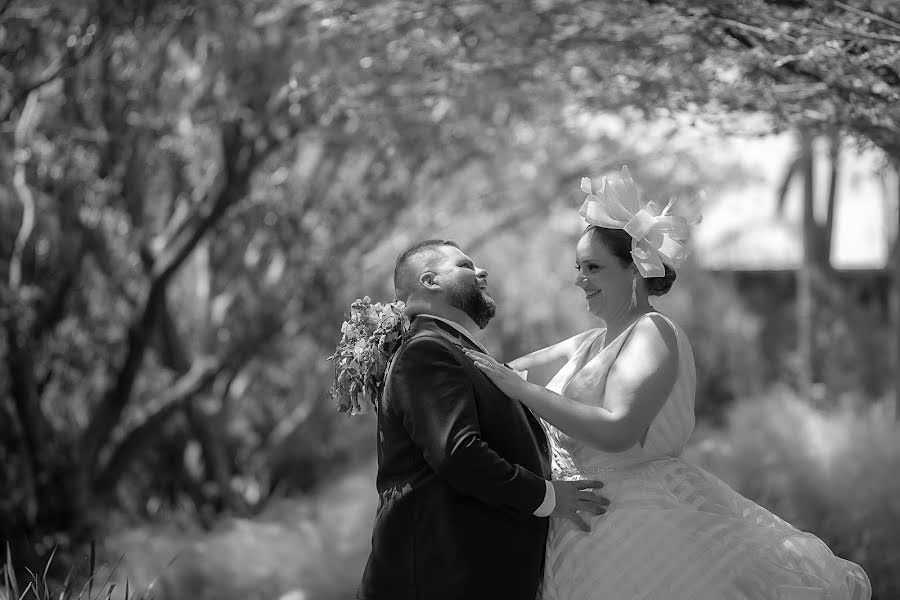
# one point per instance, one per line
(449, 300)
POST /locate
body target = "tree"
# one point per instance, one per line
(211, 103)
(146, 147)
(825, 68)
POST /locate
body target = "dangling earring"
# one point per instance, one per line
(634, 301)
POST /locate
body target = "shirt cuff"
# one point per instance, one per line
(549, 502)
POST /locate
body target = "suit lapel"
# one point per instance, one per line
(425, 323)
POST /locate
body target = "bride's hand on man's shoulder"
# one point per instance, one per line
(507, 379)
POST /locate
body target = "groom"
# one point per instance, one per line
(463, 471)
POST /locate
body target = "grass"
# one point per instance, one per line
(75, 586)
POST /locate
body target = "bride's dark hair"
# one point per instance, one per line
(618, 242)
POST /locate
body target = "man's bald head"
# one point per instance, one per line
(414, 261)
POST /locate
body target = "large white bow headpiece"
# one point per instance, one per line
(657, 237)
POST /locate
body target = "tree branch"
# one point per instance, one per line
(53, 310)
(236, 175)
(240, 161)
(196, 380)
(868, 15)
(786, 179)
(5, 6)
(73, 250)
(25, 229)
(49, 74)
(97, 247)
(23, 131)
(766, 33)
(201, 375)
(22, 387)
(208, 430)
(847, 33)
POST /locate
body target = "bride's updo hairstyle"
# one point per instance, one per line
(618, 242)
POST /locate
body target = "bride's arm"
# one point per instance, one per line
(637, 386)
(561, 351)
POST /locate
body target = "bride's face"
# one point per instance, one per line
(605, 281)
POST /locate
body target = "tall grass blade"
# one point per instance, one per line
(47, 569)
(34, 580)
(83, 588)
(67, 584)
(92, 567)
(26, 591)
(169, 564)
(12, 585)
(111, 573)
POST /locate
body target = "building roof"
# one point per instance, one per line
(742, 228)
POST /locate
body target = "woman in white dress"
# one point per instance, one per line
(621, 410)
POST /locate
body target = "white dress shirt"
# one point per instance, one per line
(549, 502)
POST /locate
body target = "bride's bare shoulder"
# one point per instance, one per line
(654, 340)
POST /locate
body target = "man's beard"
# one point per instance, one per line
(480, 307)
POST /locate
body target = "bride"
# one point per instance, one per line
(622, 408)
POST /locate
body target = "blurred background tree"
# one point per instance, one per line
(191, 194)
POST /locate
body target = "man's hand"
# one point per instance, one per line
(572, 496)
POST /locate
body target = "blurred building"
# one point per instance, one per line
(748, 237)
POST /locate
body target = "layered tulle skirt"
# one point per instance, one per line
(673, 531)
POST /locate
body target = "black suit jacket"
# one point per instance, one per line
(461, 470)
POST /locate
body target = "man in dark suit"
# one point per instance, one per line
(463, 471)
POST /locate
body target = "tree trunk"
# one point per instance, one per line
(187, 387)
(805, 295)
(895, 259)
(206, 424)
(20, 358)
(239, 163)
(834, 158)
(19, 364)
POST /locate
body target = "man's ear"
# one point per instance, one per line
(427, 280)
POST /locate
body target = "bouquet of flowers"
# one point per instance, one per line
(369, 337)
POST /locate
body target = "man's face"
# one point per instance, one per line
(465, 286)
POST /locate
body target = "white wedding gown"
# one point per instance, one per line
(674, 531)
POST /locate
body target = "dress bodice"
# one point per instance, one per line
(583, 379)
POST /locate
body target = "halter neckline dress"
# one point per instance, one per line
(673, 531)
